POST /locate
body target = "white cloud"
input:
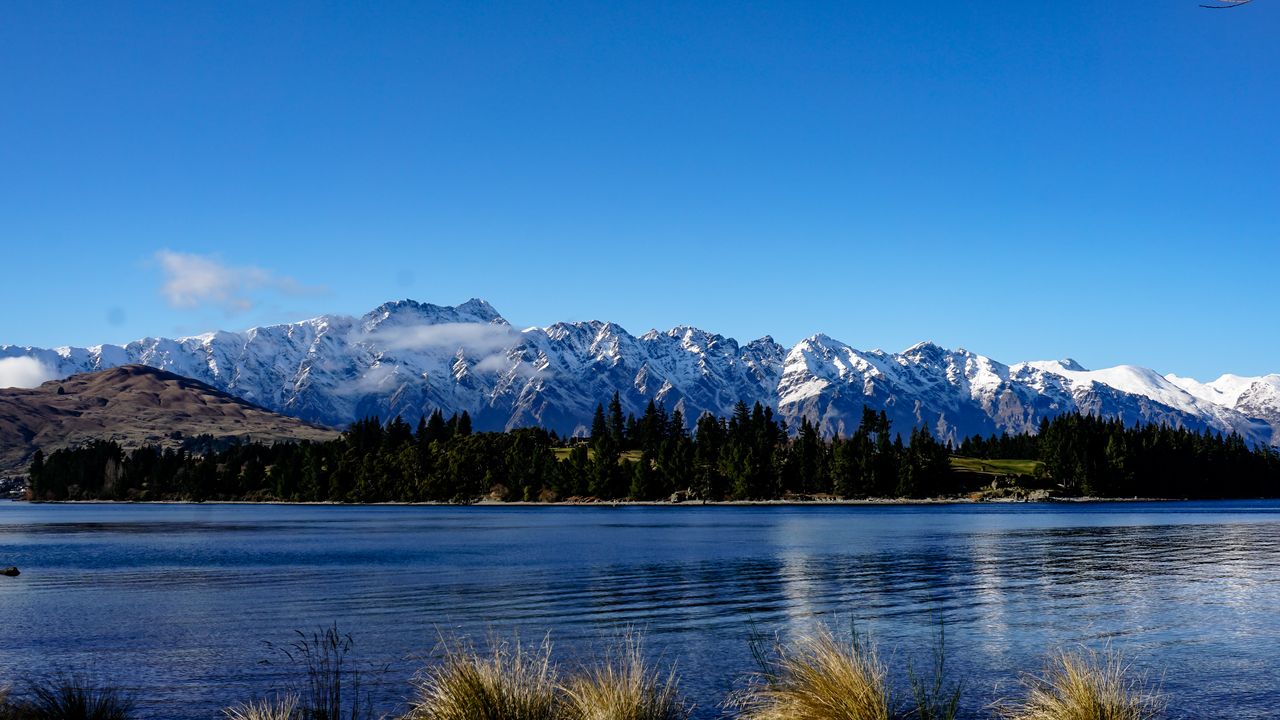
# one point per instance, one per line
(472, 338)
(378, 378)
(192, 280)
(494, 363)
(24, 372)
(484, 345)
(500, 363)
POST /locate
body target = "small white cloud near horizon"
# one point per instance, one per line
(192, 280)
(24, 372)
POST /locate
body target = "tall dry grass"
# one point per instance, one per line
(284, 707)
(818, 678)
(624, 687)
(1086, 685)
(332, 685)
(509, 681)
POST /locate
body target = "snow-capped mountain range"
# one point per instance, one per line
(408, 358)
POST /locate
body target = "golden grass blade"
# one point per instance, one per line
(819, 678)
(1085, 685)
(624, 687)
(510, 681)
(282, 708)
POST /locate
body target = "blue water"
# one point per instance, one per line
(176, 602)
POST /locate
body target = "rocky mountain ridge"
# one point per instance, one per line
(407, 358)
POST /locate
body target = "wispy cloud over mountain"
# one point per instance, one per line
(474, 338)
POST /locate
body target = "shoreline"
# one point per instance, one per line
(863, 502)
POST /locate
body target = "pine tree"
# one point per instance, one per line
(676, 428)
(708, 443)
(616, 421)
(437, 429)
(37, 466)
(644, 485)
(598, 426)
(397, 435)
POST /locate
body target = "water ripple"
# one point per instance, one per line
(177, 601)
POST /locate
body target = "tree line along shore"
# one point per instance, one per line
(749, 456)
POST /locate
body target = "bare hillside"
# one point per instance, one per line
(132, 405)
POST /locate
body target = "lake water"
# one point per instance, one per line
(176, 602)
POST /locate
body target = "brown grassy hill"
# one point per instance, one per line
(133, 405)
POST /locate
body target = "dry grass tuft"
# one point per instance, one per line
(1086, 685)
(71, 698)
(282, 708)
(624, 687)
(508, 682)
(819, 678)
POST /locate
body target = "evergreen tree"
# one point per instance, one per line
(616, 422)
(37, 465)
(709, 440)
(644, 480)
(676, 428)
(437, 429)
(397, 435)
(598, 426)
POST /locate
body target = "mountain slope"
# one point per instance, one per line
(408, 358)
(1255, 397)
(133, 405)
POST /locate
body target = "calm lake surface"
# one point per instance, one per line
(176, 602)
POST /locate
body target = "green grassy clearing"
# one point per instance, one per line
(562, 454)
(995, 467)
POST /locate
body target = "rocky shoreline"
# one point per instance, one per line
(1013, 499)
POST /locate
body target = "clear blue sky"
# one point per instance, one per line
(1027, 180)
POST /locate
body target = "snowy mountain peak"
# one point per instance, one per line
(481, 310)
(403, 313)
(924, 346)
(928, 351)
(820, 341)
(212, 337)
(1072, 365)
(699, 340)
